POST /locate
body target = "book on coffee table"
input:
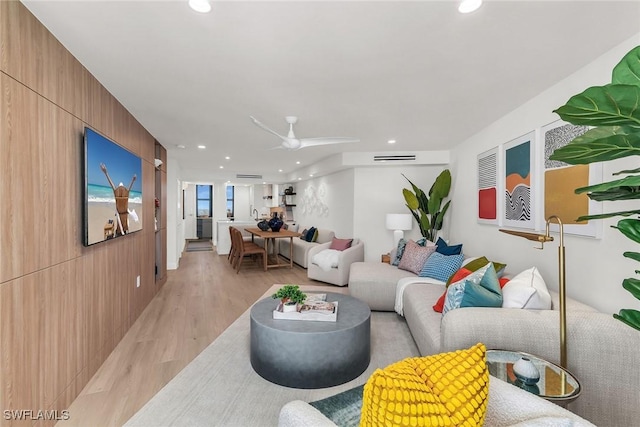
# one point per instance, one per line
(315, 308)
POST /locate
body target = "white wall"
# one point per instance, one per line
(175, 223)
(190, 222)
(595, 267)
(326, 202)
(377, 192)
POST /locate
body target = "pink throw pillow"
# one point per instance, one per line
(415, 256)
(340, 244)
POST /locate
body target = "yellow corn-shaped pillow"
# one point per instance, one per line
(447, 389)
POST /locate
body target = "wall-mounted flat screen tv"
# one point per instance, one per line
(112, 191)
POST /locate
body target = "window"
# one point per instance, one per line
(230, 193)
(203, 200)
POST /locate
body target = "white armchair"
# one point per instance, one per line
(339, 275)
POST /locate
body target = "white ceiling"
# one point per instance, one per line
(415, 71)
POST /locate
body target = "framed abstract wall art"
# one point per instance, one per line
(488, 187)
(561, 179)
(518, 182)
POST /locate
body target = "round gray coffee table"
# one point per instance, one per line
(310, 354)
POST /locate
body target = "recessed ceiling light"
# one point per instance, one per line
(202, 6)
(298, 162)
(299, 179)
(311, 175)
(180, 146)
(221, 167)
(468, 6)
(279, 170)
(202, 147)
(227, 158)
(391, 141)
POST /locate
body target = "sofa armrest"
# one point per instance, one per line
(350, 255)
(300, 414)
(531, 331)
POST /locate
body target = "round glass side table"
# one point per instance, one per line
(556, 384)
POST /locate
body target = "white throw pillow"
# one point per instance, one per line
(526, 290)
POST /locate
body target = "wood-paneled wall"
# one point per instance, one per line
(63, 306)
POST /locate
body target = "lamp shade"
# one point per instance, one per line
(399, 221)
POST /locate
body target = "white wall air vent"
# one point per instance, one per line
(397, 158)
(248, 176)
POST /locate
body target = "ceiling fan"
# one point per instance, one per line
(290, 142)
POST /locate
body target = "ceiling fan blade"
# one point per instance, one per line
(310, 142)
(260, 125)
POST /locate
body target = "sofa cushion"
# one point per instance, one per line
(447, 389)
(445, 249)
(375, 283)
(527, 290)
(441, 267)
(340, 244)
(415, 256)
(479, 289)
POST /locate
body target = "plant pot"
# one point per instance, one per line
(289, 307)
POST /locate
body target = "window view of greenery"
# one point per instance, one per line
(229, 201)
(204, 200)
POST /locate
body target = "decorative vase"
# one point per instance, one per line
(275, 223)
(525, 371)
(263, 225)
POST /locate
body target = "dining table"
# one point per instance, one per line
(270, 236)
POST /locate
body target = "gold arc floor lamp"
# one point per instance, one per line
(542, 238)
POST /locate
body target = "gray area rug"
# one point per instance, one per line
(220, 388)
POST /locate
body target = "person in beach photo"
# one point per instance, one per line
(121, 193)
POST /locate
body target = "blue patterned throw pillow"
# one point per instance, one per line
(441, 267)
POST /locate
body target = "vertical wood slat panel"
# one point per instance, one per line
(63, 307)
(39, 156)
(31, 55)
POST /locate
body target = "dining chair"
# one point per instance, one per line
(245, 249)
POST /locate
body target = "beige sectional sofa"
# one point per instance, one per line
(301, 247)
(603, 353)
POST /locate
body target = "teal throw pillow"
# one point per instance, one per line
(445, 249)
(441, 267)
(343, 408)
(479, 289)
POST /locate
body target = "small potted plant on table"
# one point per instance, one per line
(291, 296)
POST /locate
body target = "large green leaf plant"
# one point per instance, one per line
(427, 208)
(613, 110)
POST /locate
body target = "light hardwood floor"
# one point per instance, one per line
(198, 301)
